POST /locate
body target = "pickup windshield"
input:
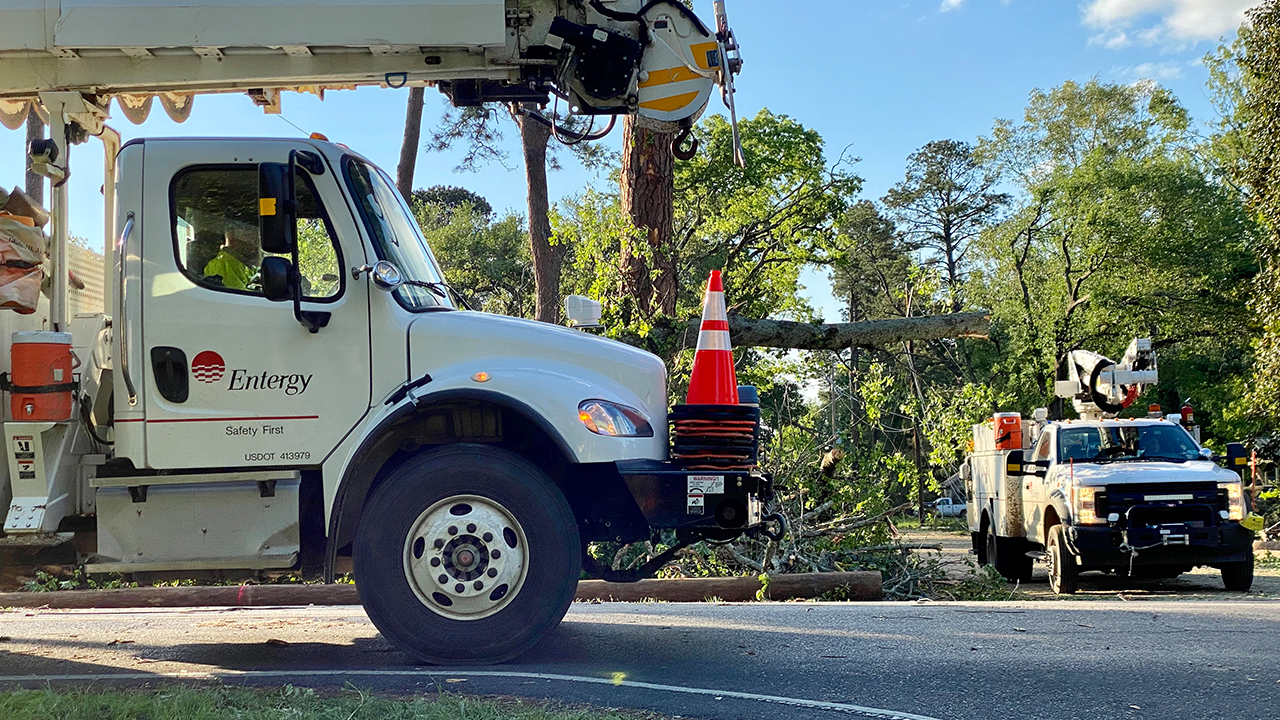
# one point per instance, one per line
(1128, 442)
(396, 237)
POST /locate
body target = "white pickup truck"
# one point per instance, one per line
(946, 507)
(1135, 497)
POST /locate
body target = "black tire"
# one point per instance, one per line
(1064, 574)
(416, 488)
(1010, 558)
(980, 546)
(1238, 576)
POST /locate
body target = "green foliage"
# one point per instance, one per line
(317, 261)
(176, 702)
(1252, 142)
(486, 260)
(78, 580)
(1117, 232)
(452, 197)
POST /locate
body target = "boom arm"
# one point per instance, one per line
(1099, 386)
(655, 60)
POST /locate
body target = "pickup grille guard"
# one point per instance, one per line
(1159, 504)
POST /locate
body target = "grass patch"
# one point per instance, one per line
(932, 522)
(225, 703)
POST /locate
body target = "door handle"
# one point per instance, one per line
(169, 368)
(121, 323)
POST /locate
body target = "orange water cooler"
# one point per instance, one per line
(41, 388)
(1008, 428)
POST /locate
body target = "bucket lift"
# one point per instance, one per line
(1100, 387)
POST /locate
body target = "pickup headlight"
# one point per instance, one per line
(613, 420)
(1083, 503)
(1235, 499)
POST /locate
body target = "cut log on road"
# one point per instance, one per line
(222, 596)
(785, 334)
(863, 585)
(859, 585)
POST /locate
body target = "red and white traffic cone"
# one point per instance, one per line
(714, 381)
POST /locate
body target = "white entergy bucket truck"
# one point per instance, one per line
(1136, 497)
(281, 380)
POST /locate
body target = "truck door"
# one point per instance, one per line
(234, 380)
(1034, 494)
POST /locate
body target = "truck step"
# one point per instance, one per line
(1038, 555)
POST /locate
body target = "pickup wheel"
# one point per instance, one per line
(1238, 576)
(1064, 574)
(467, 555)
(1009, 557)
(980, 546)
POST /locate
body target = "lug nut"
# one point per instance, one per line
(459, 587)
(488, 537)
(438, 543)
(478, 585)
(471, 527)
(435, 562)
(495, 554)
(453, 530)
(493, 572)
(444, 579)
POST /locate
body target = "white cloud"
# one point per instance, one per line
(1160, 72)
(950, 5)
(1163, 21)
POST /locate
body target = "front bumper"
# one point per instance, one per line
(1168, 544)
(723, 502)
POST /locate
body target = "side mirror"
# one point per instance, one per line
(582, 312)
(1014, 465)
(277, 279)
(1237, 458)
(386, 275)
(277, 208)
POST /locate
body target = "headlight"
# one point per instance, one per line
(1083, 504)
(606, 418)
(1235, 499)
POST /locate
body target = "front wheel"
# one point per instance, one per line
(1238, 576)
(467, 554)
(1063, 571)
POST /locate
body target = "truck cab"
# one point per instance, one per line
(1136, 497)
(284, 382)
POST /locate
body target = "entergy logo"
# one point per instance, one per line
(208, 367)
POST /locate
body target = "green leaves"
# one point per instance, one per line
(1117, 232)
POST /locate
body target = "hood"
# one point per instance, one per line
(462, 343)
(1124, 473)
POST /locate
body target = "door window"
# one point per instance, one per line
(1042, 448)
(215, 227)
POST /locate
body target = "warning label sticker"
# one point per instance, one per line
(700, 486)
(708, 484)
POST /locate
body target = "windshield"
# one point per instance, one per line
(396, 237)
(1127, 442)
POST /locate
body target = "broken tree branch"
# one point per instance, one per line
(786, 334)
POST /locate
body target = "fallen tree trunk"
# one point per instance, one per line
(220, 596)
(863, 585)
(785, 334)
(859, 585)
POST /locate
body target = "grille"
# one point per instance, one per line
(1158, 504)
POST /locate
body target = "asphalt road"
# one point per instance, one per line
(1071, 659)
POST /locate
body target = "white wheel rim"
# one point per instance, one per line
(466, 557)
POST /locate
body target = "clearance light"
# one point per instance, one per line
(481, 377)
(319, 136)
(1235, 499)
(1083, 502)
(606, 418)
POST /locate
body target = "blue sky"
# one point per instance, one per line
(877, 78)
